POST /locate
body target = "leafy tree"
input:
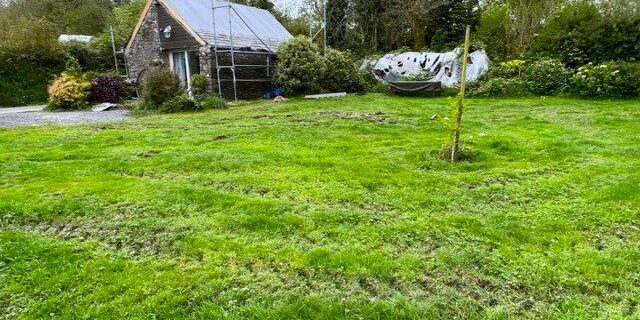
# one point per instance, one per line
(30, 38)
(495, 31)
(585, 32)
(451, 20)
(439, 40)
(527, 17)
(68, 16)
(337, 20)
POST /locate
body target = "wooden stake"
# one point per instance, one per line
(455, 146)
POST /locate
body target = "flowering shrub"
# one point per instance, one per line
(106, 89)
(598, 81)
(522, 78)
(546, 77)
(69, 91)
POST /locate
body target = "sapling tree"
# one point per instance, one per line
(452, 149)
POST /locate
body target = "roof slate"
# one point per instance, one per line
(251, 27)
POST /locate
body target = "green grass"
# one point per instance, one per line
(326, 209)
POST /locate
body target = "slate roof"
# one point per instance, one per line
(251, 27)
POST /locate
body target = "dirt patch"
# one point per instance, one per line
(148, 154)
(377, 117)
(128, 240)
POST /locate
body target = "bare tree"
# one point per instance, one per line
(418, 15)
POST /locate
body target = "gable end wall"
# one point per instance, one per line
(146, 46)
(180, 38)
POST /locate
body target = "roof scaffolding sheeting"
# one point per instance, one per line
(251, 27)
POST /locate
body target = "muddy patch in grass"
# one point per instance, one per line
(377, 117)
(148, 154)
(128, 240)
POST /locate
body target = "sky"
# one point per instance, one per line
(289, 6)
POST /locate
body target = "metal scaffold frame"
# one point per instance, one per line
(232, 51)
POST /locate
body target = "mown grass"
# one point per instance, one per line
(331, 209)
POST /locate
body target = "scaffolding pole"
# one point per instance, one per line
(324, 26)
(232, 51)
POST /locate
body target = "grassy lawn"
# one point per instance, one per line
(326, 209)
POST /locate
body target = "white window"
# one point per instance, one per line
(184, 64)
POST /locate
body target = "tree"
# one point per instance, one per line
(528, 16)
(68, 16)
(452, 19)
(419, 15)
(495, 31)
(337, 19)
(40, 43)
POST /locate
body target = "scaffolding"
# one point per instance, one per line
(232, 51)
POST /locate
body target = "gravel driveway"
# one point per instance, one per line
(33, 116)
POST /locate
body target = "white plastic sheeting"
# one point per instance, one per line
(442, 67)
(75, 37)
(261, 32)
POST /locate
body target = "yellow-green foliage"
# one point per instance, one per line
(513, 63)
(449, 123)
(69, 91)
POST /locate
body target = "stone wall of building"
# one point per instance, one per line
(206, 65)
(146, 45)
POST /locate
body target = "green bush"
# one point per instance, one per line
(599, 81)
(90, 56)
(368, 79)
(159, 86)
(522, 78)
(198, 84)
(583, 32)
(30, 57)
(300, 68)
(546, 77)
(30, 39)
(213, 102)
(508, 69)
(630, 73)
(340, 72)
(180, 103)
(502, 87)
(25, 81)
(69, 92)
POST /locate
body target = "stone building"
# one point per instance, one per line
(214, 38)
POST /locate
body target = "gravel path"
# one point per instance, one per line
(21, 109)
(20, 118)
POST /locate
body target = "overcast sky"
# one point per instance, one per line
(288, 6)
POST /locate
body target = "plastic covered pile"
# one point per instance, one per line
(429, 66)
